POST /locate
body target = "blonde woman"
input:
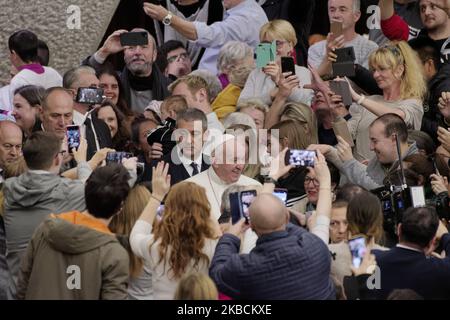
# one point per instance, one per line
(185, 238)
(398, 72)
(263, 83)
(140, 284)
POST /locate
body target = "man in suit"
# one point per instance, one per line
(410, 264)
(186, 159)
(95, 131)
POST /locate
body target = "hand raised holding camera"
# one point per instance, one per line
(154, 11)
(439, 184)
(287, 83)
(112, 44)
(160, 180)
(278, 166)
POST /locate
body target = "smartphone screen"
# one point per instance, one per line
(117, 157)
(417, 196)
(134, 39)
(246, 199)
(300, 158)
(90, 96)
(358, 250)
(160, 211)
(288, 65)
(281, 194)
(73, 137)
(235, 207)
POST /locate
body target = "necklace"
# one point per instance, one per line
(214, 191)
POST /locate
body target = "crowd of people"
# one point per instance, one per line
(208, 169)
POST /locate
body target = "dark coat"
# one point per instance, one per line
(407, 269)
(290, 264)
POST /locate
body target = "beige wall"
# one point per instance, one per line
(49, 20)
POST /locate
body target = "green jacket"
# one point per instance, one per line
(73, 257)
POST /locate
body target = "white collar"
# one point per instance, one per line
(408, 248)
(39, 172)
(215, 178)
(187, 162)
(78, 118)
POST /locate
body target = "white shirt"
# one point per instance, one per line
(79, 119)
(50, 78)
(241, 23)
(215, 187)
(5, 103)
(187, 162)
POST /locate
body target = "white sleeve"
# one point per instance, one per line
(140, 239)
(322, 228)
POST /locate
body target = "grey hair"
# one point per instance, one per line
(238, 119)
(231, 53)
(252, 102)
(214, 86)
(72, 76)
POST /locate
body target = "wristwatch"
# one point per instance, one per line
(167, 19)
(268, 179)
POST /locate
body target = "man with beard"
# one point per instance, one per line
(141, 81)
(435, 21)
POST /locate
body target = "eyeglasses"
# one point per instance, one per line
(183, 56)
(278, 43)
(308, 180)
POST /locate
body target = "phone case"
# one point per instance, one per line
(343, 69)
(340, 128)
(287, 65)
(336, 28)
(346, 54)
(342, 88)
(265, 52)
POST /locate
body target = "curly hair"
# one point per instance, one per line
(185, 226)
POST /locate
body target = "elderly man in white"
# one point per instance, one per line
(228, 162)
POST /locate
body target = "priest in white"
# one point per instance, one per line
(228, 162)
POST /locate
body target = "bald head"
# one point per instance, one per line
(10, 142)
(268, 214)
(57, 111)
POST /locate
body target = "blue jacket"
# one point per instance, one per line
(290, 264)
(402, 268)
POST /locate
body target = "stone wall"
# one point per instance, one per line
(71, 28)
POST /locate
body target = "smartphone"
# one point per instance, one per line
(300, 158)
(117, 157)
(245, 199)
(340, 128)
(358, 249)
(73, 137)
(90, 96)
(287, 65)
(342, 88)
(131, 39)
(265, 53)
(235, 207)
(160, 211)
(417, 196)
(281, 194)
(336, 28)
(346, 54)
(343, 69)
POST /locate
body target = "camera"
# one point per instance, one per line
(163, 135)
(90, 96)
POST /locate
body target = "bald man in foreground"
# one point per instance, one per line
(288, 262)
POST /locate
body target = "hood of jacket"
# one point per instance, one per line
(76, 233)
(30, 188)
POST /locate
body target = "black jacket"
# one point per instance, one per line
(177, 172)
(407, 269)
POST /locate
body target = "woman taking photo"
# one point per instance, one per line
(398, 72)
(185, 238)
(263, 83)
